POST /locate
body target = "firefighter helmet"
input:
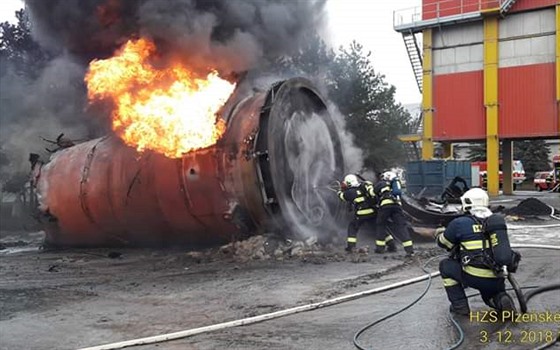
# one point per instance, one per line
(351, 180)
(474, 198)
(388, 176)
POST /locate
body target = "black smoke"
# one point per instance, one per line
(230, 36)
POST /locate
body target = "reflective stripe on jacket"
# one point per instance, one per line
(384, 194)
(475, 250)
(360, 197)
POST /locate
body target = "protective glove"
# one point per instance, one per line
(439, 231)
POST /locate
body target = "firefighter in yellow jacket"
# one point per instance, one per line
(480, 249)
(390, 216)
(360, 195)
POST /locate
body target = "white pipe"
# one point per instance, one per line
(552, 213)
(521, 227)
(281, 313)
(255, 319)
(538, 246)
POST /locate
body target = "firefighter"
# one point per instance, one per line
(396, 186)
(390, 210)
(360, 195)
(479, 247)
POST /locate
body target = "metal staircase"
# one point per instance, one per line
(415, 56)
(412, 151)
(410, 24)
(506, 5)
(418, 125)
(412, 147)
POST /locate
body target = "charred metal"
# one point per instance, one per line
(102, 192)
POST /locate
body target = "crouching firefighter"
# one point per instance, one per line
(480, 255)
(360, 195)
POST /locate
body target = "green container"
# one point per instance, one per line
(429, 178)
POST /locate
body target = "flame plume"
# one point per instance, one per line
(169, 110)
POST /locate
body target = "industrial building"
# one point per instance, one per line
(488, 71)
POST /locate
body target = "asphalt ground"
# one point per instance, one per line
(426, 325)
(76, 298)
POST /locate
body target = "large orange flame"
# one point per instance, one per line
(168, 110)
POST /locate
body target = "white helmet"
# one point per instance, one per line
(474, 198)
(388, 176)
(351, 180)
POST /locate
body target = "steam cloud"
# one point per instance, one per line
(229, 36)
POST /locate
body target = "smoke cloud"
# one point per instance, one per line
(229, 36)
(30, 109)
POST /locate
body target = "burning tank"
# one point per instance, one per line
(267, 172)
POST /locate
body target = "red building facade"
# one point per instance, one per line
(490, 72)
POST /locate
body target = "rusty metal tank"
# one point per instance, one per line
(268, 173)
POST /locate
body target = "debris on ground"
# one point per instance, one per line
(529, 207)
(269, 247)
(272, 247)
(114, 255)
(12, 244)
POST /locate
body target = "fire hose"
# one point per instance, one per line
(303, 308)
(534, 290)
(522, 299)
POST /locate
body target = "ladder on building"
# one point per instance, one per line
(418, 126)
(415, 56)
(411, 41)
(506, 5)
(412, 151)
(409, 32)
(412, 148)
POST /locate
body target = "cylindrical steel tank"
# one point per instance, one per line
(268, 173)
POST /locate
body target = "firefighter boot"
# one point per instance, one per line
(391, 246)
(351, 242)
(409, 251)
(460, 309)
(350, 247)
(458, 299)
(379, 246)
(504, 303)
